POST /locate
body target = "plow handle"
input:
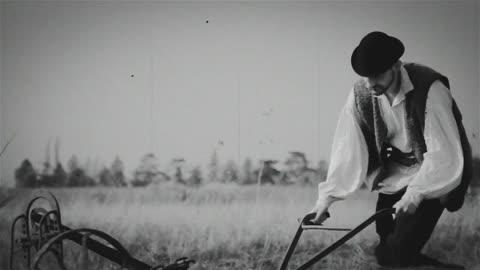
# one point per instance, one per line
(307, 220)
(332, 247)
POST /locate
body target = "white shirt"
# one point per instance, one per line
(442, 166)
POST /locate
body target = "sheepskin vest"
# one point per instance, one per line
(369, 117)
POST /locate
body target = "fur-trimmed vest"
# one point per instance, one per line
(368, 116)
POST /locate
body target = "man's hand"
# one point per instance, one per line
(320, 209)
(404, 206)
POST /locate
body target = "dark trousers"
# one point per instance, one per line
(402, 238)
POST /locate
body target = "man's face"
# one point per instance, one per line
(380, 83)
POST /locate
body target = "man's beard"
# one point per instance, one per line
(380, 89)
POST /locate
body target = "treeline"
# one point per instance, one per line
(148, 172)
(75, 175)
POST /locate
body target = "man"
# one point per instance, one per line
(401, 133)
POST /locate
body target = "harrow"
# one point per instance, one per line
(39, 231)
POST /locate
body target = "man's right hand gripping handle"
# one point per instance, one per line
(320, 213)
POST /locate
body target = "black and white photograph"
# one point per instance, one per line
(239, 134)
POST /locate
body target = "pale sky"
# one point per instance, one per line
(258, 80)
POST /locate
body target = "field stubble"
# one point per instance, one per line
(237, 227)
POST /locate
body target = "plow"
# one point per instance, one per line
(38, 233)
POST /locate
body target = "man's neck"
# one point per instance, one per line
(392, 92)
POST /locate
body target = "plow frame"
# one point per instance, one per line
(306, 224)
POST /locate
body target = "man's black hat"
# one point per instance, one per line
(376, 53)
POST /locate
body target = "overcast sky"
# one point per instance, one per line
(247, 79)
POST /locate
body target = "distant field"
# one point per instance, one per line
(231, 227)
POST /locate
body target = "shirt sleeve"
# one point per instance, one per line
(442, 166)
(348, 158)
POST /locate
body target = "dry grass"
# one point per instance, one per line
(225, 227)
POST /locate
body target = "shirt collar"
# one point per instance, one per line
(405, 87)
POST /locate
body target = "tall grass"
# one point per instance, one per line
(226, 227)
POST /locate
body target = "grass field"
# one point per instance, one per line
(231, 227)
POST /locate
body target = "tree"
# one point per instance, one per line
(53, 177)
(73, 164)
(78, 178)
(267, 173)
(213, 167)
(117, 173)
(246, 176)
(88, 168)
(230, 172)
(147, 172)
(44, 180)
(44, 177)
(178, 165)
(59, 177)
(25, 175)
(106, 177)
(196, 177)
(46, 164)
(298, 172)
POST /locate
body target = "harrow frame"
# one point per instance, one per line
(38, 231)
